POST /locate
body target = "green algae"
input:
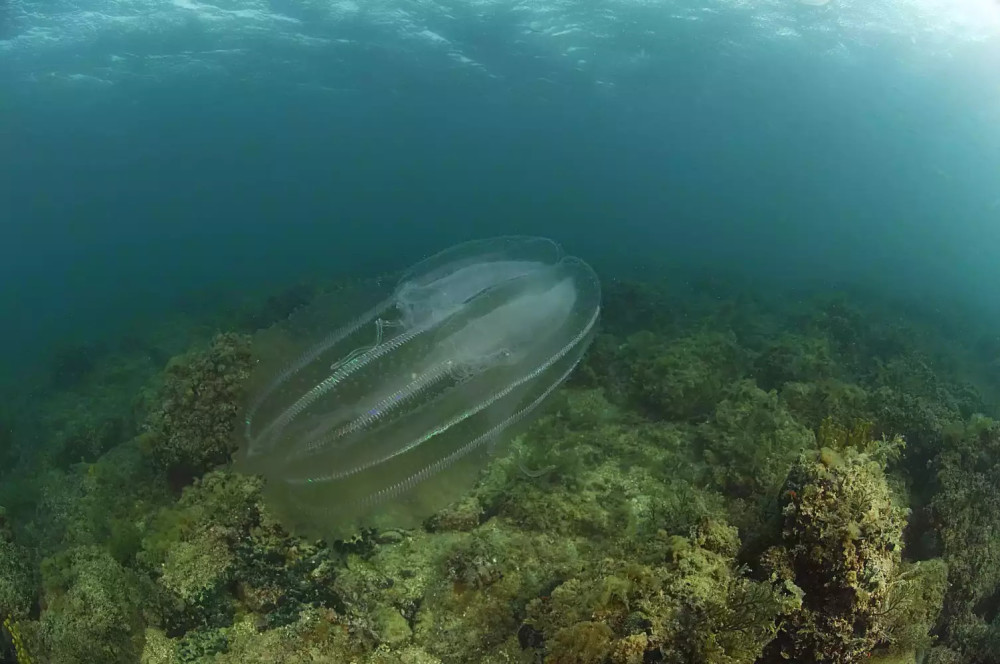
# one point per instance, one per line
(192, 429)
(93, 609)
(17, 580)
(695, 475)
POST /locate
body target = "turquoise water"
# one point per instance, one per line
(159, 157)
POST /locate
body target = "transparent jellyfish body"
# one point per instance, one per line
(361, 427)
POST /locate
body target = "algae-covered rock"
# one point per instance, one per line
(603, 476)
(92, 609)
(967, 519)
(391, 627)
(693, 604)
(681, 379)
(158, 648)
(17, 581)
(190, 549)
(750, 442)
(217, 554)
(841, 549)
(406, 655)
(463, 515)
(793, 358)
(192, 429)
(814, 401)
(318, 636)
(915, 601)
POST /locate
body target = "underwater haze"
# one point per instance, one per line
(499, 331)
(158, 156)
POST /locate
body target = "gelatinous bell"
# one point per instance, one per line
(382, 419)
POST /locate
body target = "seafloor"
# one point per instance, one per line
(732, 476)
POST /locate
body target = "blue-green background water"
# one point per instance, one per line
(178, 156)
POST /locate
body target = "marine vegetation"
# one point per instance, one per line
(728, 476)
(191, 430)
(841, 549)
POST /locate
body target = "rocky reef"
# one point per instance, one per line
(727, 479)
